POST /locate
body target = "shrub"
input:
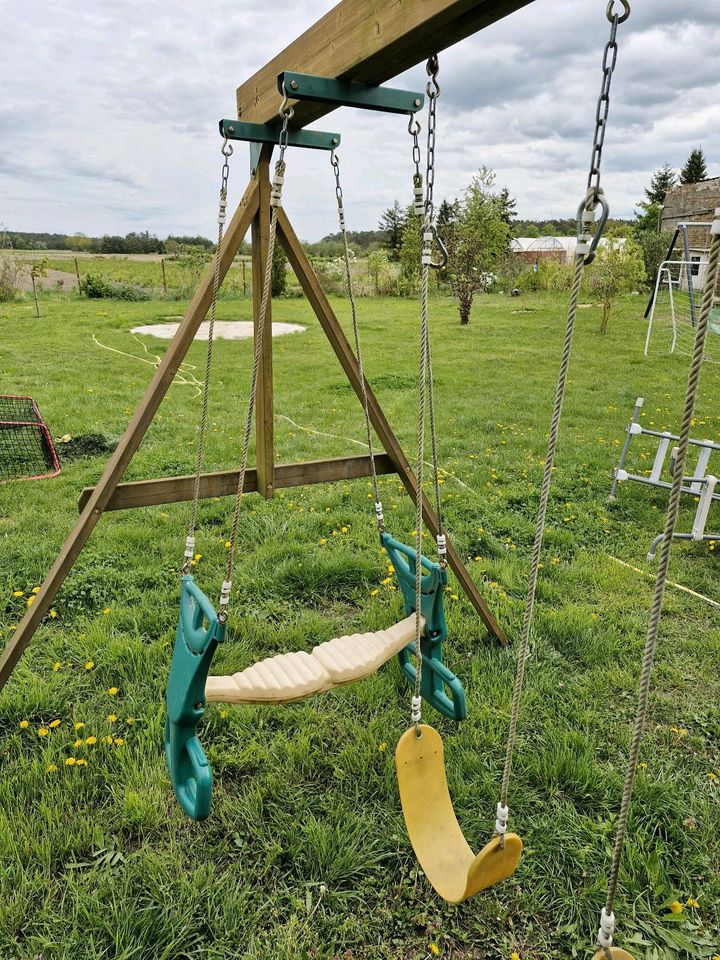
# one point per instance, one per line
(97, 288)
(128, 291)
(10, 272)
(94, 286)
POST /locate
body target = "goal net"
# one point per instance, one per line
(26, 447)
(675, 310)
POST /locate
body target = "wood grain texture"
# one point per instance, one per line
(368, 40)
(150, 493)
(116, 466)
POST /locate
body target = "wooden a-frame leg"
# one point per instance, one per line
(264, 421)
(344, 352)
(118, 463)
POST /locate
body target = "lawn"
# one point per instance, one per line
(305, 854)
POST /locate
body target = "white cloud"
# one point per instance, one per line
(109, 121)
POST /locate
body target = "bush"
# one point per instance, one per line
(10, 271)
(97, 288)
(94, 286)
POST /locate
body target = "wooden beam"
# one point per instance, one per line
(368, 40)
(344, 352)
(264, 420)
(116, 466)
(150, 493)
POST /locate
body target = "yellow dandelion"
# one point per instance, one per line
(711, 776)
(70, 762)
(107, 739)
(227, 544)
(129, 721)
(90, 664)
(52, 767)
(56, 666)
(642, 766)
(111, 718)
(382, 747)
(113, 691)
(78, 743)
(106, 611)
(676, 907)
(223, 715)
(35, 590)
(515, 956)
(30, 601)
(118, 741)
(54, 723)
(454, 596)
(82, 762)
(323, 541)
(43, 732)
(18, 593)
(24, 724)
(90, 741)
(692, 902)
(343, 529)
(53, 614)
(79, 725)
(374, 593)
(435, 949)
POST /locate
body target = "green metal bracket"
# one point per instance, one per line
(439, 685)
(347, 93)
(267, 133)
(198, 634)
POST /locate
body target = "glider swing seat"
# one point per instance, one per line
(289, 677)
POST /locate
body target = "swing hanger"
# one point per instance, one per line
(349, 93)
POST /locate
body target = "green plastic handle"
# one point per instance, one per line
(195, 607)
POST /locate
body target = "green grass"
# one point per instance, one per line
(305, 853)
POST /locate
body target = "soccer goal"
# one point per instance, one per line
(675, 309)
(26, 447)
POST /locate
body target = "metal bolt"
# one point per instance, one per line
(417, 101)
(231, 129)
(334, 141)
(293, 84)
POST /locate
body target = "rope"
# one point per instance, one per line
(334, 160)
(259, 340)
(540, 526)
(711, 278)
(190, 541)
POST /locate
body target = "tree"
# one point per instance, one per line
(695, 169)
(278, 277)
(392, 224)
(479, 240)
(410, 251)
(661, 181)
(617, 269)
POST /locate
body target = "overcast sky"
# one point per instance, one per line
(108, 113)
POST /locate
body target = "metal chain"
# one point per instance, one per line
(584, 253)
(414, 129)
(425, 385)
(711, 280)
(603, 104)
(379, 517)
(286, 112)
(226, 151)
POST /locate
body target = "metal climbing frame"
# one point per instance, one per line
(701, 484)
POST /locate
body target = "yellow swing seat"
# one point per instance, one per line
(616, 953)
(444, 854)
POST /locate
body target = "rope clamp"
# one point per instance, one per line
(501, 814)
(715, 228)
(607, 929)
(416, 706)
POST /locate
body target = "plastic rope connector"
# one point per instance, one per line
(426, 258)
(379, 515)
(715, 228)
(225, 592)
(419, 201)
(276, 191)
(416, 705)
(222, 212)
(607, 929)
(189, 547)
(441, 545)
(501, 813)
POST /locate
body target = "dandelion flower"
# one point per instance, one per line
(90, 664)
(79, 725)
(24, 724)
(692, 902)
(30, 601)
(43, 732)
(382, 747)
(78, 743)
(113, 691)
(323, 541)
(90, 741)
(54, 723)
(676, 907)
(107, 739)
(111, 718)
(56, 666)
(82, 762)
(35, 590)
(515, 956)
(18, 593)
(435, 949)
(106, 611)
(374, 593)
(223, 715)
(70, 762)
(52, 768)
(119, 741)
(53, 614)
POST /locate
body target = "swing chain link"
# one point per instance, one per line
(603, 105)
(414, 129)
(429, 230)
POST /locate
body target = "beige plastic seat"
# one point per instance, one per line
(292, 676)
(615, 953)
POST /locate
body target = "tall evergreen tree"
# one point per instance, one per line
(392, 223)
(695, 169)
(662, 180)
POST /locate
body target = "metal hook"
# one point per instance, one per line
(442, 248)
(285, 109)
(622, 17)
(414, 127)
(593, 199)
(226, 149)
